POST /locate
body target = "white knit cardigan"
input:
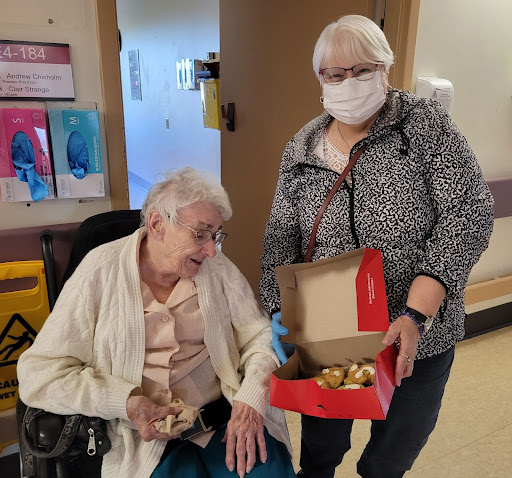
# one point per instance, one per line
(89, 354)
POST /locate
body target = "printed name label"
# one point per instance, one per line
(35, 70)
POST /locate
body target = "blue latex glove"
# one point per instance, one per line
(78, 155)
(24, 161)
(283, 351)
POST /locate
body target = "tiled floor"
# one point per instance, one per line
(473, 437)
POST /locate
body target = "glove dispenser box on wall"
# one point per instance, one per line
(25, 166)
(77, 156)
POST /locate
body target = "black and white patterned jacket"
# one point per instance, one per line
(417, 194)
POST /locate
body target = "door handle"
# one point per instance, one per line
(228, 113)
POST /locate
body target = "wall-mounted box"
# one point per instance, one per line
(188, 73)
(76, 146)
(25, 166)
(439, 89)
(210, 103)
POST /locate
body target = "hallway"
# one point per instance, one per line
(474, 431)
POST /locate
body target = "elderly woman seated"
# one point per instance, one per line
(152, 328)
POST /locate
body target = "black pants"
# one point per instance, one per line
(395, 442)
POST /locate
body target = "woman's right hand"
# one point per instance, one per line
(143, 413)
(283, 351)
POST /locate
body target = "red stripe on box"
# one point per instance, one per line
(372, 304)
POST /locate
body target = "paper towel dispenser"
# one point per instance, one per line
(439, 89)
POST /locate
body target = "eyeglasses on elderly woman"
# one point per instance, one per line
(204, 235)
(361, 72)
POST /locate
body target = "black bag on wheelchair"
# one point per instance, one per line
(72, 435)
(61, 446)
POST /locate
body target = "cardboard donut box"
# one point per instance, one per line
(336, 312)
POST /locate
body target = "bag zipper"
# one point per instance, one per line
(91, 446)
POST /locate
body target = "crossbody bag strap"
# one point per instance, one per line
(66, 437)
(332, 192)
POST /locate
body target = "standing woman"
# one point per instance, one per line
(416, 193)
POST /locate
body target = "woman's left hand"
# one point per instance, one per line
(404, 331)
(243, 433)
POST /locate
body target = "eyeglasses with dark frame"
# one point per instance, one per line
(204, 235)
(336, 74)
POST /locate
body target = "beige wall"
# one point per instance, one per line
(73, 23)
(471, 46)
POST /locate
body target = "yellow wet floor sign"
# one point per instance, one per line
(22, 314)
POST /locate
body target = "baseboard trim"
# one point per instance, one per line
(488, 320)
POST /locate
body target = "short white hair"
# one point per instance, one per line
(355, 38)
(182, 188)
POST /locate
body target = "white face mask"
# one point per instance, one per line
(354, 101)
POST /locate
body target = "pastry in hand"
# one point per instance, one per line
(330, 378)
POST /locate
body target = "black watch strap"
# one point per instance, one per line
(422, 318)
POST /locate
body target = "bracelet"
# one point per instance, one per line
(420, 325)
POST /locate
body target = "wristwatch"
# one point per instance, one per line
(422, 321)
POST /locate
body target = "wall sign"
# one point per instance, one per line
(133, 60)
(31, 70)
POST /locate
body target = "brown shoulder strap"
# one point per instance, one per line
(332, 192)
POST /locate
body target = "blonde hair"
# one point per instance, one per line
(182, 188)
(355, 38)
